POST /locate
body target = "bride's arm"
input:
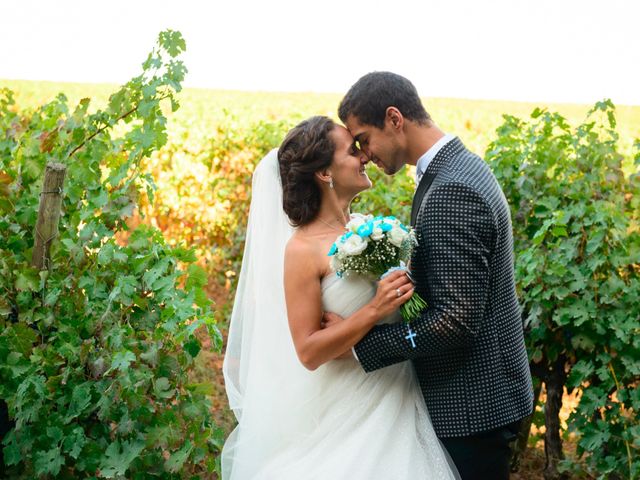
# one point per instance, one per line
(315, 345)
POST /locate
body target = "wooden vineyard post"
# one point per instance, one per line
(48, 215)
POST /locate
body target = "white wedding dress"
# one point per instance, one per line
(336, 422)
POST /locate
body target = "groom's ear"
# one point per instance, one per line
(394, 118)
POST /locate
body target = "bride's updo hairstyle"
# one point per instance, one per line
(306, 149)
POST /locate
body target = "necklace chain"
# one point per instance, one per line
(331, 226)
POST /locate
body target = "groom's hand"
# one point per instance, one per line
(345, 356)
(329, 319)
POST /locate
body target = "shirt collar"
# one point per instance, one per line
(424, 161)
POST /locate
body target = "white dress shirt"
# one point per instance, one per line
(424, 161)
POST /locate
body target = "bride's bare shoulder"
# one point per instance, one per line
(302, 253)
(299, 246)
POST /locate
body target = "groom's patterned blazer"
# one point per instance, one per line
(469, 352)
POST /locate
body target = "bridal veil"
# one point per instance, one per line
(264, 379)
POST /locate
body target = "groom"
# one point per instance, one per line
(467, 346)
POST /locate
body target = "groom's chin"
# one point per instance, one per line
(391, 170)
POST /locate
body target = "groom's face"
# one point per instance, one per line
(380, 145)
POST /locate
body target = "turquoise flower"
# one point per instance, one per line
(365, 230)
(385, 227)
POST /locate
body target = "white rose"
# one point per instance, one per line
(354, 245)
(354, 224)
(377, 234)
(397, 236)
(357, 220)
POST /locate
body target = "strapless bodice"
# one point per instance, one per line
(346, 295)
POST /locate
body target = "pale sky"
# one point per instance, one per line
(531, 50)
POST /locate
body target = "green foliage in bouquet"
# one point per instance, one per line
(96, 349)
(577, 242)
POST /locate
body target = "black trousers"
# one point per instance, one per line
(484, 456)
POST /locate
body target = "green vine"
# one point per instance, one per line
(96, 354)
(577, 241)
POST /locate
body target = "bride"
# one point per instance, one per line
(305, 407)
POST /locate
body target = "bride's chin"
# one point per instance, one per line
(367, 187)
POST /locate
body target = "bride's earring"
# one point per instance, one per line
(330, 182)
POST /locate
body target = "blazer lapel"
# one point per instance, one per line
(423, 187)
(446, 153)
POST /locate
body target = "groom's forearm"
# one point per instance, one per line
(432, 333)
(372, 351)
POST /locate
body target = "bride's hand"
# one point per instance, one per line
(393, 290)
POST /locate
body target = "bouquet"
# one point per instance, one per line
(376, 246)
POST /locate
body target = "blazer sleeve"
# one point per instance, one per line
(457, 234)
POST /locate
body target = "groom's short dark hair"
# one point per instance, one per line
(369, 98)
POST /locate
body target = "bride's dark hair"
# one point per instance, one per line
(306, 149)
